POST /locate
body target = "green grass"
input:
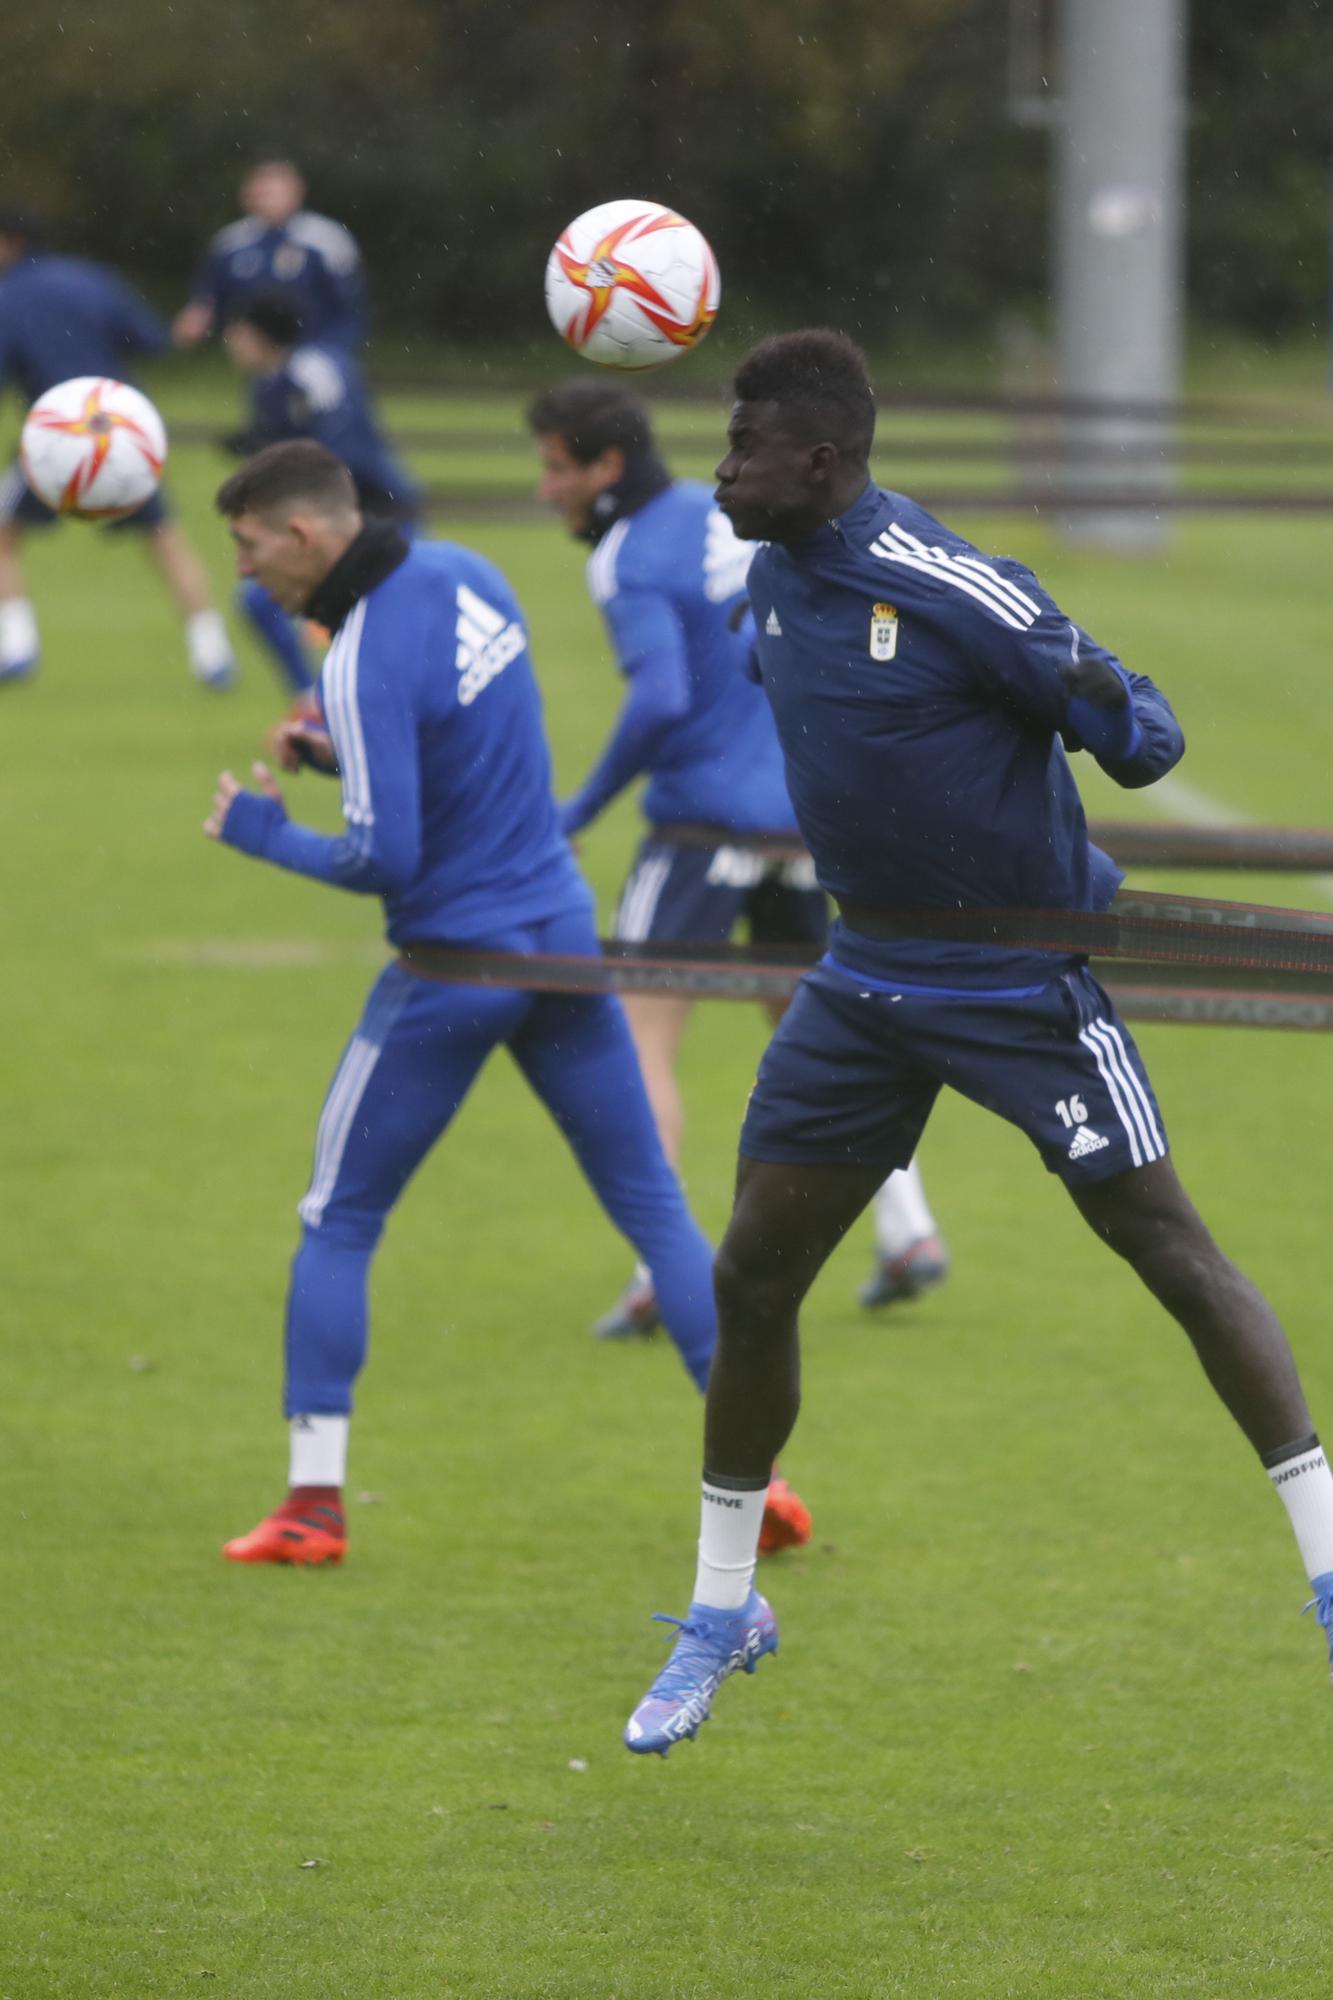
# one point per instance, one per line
(1044, 1722)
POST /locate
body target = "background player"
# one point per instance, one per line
(668, 575)
(308, 388)
(61, 317)
(435, 723)
(905, 667)
(279, 245)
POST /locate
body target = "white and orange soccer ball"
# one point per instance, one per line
(93, 447)
(631, 284)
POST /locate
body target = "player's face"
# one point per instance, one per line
(770, 487)
(570, 486)
(282, 551)
(272, 193)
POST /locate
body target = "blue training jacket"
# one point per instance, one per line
(321, 393)
(64, 316)
(433, 707)
(670, 579)
(312, 259)
(917, 689)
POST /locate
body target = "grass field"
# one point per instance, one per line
(1045, 1722)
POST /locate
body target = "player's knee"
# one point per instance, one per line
(749, 1285)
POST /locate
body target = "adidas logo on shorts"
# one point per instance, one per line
(1086, 1141)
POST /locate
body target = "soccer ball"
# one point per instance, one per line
(632, 284)
(93, 447)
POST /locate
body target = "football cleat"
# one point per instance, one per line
(1322, 1606)
(299, 1532)
(633, 1316)
(922, 1266)
(19, 670)
(218, 680)
(787, 1523)
(710, 1645)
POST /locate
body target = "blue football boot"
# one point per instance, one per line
(710, 1644)
(1322, 1606)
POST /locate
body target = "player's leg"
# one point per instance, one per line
(20, 646)
(577, 1054)
(207, 645)
(833, 1107)
(404, 1073)
(1147, 1218)
(1065, 1068)
(789, 908)
(277, 633)
(672, 895)
(910, 1257)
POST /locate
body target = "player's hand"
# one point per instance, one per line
(192, 324)
(229, 789)
(1095, 682)
(296, 742)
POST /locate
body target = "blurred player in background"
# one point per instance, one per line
(435, 726)
(308, 388)
(279, 245)
(668, 575)
(908, 670)
(61, 317)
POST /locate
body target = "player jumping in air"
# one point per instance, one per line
(668, 574)
(925, 696)
(61, 317)
(435, 726)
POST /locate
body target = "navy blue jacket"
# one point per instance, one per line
(918, 691)
(63, 316)
(313, 260)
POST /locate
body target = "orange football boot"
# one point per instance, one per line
(787, 1523)
(303, 1530)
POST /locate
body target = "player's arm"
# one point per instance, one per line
(1037, 661)
(197, 318)
(138, 327)
(1125, 721)
(347, 320)
(646, 633)
(373, 729)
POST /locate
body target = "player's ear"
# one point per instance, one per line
(612, 464)
(822, 460)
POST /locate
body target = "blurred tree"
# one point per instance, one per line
(851, 162)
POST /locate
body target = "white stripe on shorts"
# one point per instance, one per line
(643, 892)
(1125, 1092)
(1141, 1103)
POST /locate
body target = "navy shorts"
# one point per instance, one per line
(18, 503)
(851, 1074)
(698, 895)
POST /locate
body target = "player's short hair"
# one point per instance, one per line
(272, 313)
(591, 417)
(298, 471)
(819, 380)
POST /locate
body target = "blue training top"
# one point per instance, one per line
(310, 258)
(320, 393)
(433, 707)
(64, 316)
(670, 579)
(917, 689)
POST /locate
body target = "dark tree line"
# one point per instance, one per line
(851, 158)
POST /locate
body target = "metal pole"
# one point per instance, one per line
(1118, 258)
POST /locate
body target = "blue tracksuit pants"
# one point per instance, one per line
(404, 1074)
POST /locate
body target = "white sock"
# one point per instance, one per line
(18, 632)
(1305, 1487)
(318, 1451)
(902, 1215)
(730, 1520)
(208, 645)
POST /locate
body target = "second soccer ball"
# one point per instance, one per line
(632, 285)
(93, 447)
